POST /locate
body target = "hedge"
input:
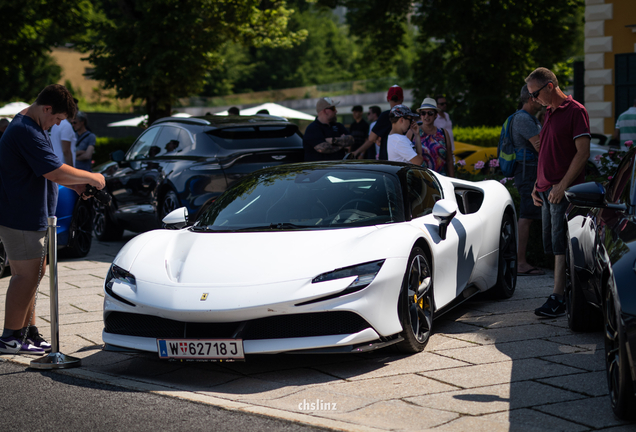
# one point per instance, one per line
(482, 136)
(104, 146)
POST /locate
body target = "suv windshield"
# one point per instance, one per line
(295, 197)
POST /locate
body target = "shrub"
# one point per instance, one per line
(482, 136)
(105, 146)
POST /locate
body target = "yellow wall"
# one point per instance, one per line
(623, 42)
(73, 69)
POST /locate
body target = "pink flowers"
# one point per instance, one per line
(494, 163)
(597, 158)
(479, 165)
(461, 162)
(629, 143)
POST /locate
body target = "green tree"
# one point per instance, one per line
(478, 52)
(28, 31)
(161, 50)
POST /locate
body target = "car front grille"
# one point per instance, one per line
(280, 326)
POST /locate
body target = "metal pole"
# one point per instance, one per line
(55, 359)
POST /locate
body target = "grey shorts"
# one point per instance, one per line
(553, 220)
(22, 245)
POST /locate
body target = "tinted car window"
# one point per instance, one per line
(323, 198)
(141, 149)
(169, 141)
(422, 192)
(246, 137)
(621, 187)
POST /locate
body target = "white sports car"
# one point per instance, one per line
(313, 257)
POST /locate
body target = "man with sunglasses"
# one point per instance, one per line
(324, 138)
(443, 120)
(564, 150)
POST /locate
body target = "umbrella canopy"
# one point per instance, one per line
(275, 110)
(13, 108)
(135, 121)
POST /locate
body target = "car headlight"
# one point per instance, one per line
(118, 274)
(365, 274)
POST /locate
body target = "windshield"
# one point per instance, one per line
(291, 197)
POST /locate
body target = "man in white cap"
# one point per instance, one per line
(324, 138)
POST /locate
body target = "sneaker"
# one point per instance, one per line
(36, 339)
(552, 308)
(14, 345)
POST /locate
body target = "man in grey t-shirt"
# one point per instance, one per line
(525, 129)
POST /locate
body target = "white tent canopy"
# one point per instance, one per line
(275, 110)
(134, 122)
(13, 108)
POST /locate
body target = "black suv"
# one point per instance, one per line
(189, 162)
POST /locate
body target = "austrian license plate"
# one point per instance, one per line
(201, 349)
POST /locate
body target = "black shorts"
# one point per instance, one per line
(525, 184)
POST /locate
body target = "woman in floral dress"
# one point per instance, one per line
(434, 144)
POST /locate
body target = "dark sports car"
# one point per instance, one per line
(189, 162)
(601, 274)
(74, 227)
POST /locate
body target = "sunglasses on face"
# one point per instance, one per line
(535, 94)
(331, 108)
(428, 113)
(441, 103)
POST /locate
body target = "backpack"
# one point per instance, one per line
(506, 151)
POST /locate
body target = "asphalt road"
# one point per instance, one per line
(34, 400)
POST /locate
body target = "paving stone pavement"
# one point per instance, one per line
(489, 366)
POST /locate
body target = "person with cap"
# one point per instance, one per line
(359, 128)
(399, 147)
(324, 138)
(524, 130)
(434, 144)
(395, 96)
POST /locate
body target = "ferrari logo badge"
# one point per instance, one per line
(204, 296)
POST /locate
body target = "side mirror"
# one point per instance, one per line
(118, 155)
(444, 211)
(176, 219)
(590, 194)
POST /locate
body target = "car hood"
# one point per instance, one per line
(246, 258)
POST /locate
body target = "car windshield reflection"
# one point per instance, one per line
(298, 198)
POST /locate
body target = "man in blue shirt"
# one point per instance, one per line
(29, 170)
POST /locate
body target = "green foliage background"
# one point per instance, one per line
(483, 136)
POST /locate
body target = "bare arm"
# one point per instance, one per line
(69, 176)
(536, 143)
(578, 164)
(68, 154)
(363, 148)
(85, 154)
(333, 145)
(616, 134)
(417, 160)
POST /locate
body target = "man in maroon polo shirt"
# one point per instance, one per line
(564, 149)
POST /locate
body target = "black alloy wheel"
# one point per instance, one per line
(104, 227)
(582, 317)
(80, 236)
(416, 304)
(507, 263)
(619, 380)
(3, 260)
